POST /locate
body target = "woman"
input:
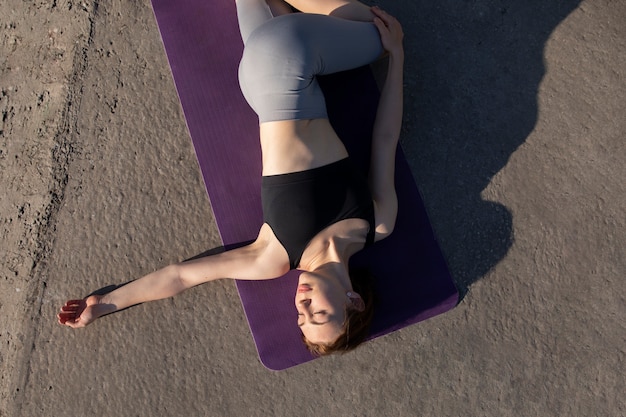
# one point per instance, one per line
(336, 211)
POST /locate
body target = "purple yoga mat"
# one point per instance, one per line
(203, 46)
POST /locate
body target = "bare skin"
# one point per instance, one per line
(324, 291)
(345, 9)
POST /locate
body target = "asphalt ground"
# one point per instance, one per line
(514, 128)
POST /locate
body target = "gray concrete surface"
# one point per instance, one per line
(514, 127)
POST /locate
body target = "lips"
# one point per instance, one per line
(304, 288)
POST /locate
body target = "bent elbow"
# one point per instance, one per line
(178, 275)
(386, 215)
(384, 230)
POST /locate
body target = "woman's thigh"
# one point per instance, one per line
(316, 44)
(282, 58)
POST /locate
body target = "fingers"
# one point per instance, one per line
(66, 318)
(63, 318)
(387, 23)
(66, 315)
(390, 30)
(378, 12)
(380, 25)
(390, 22)
(70, 312)
(71, 320)
(382, 15)
(72, 306)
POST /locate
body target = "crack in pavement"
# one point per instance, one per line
(63, 151)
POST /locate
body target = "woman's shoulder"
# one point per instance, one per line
(271, 251)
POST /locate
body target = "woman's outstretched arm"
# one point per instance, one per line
(257, 261)
(387, 126)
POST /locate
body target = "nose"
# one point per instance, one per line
(305, 302)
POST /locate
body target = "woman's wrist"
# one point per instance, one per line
(105, 305)
(396, 62)
(397, 54)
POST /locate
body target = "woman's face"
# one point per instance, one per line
(321, 305)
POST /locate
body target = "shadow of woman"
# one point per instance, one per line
(473, 70)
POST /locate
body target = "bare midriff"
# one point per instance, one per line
(299, 145)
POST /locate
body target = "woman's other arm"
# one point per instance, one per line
(387, 126)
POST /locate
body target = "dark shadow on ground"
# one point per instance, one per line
(473, 70)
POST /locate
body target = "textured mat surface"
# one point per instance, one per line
(203, 46)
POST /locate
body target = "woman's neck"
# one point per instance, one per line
(335, 244)
(330, 260)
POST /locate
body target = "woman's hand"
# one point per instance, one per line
(390, 31)
(80, 313)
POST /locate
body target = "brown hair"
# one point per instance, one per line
(357, 323)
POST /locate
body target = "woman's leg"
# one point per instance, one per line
(345, 9)
(251, 14)
(282, 85)
(341, 45)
